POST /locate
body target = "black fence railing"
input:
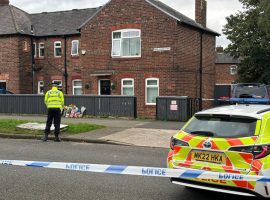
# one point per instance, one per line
(116, 106)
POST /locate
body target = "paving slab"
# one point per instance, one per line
(95, 134)
(143, 137)
(38, 126)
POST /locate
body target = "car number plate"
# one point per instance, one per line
(206, 156)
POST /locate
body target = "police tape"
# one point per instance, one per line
(137, 170)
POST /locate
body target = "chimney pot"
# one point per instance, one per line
(4, 2)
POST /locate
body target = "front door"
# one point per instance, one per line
(3, 85)
(105, 87)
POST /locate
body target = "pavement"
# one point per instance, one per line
(133, 132)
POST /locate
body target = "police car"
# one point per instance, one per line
(251, 93)
(228, 139)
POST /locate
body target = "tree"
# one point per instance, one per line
(249, 33)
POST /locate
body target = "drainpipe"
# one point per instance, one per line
(32, 59)
(65, 66)
(200, 70)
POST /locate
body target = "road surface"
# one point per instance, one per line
(40, 183)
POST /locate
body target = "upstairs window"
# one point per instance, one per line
(126, 43)
(233, 70)
(127, 87)
(41, 50)
(75, 48)
(57, 49)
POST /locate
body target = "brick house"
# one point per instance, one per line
(226, 67)
(226, 74)
(126, 47)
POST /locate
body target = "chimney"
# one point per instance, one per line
(219, 49)
(200, 12)
(4, 2)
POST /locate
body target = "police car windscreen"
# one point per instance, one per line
(250, 91)
(222, 127)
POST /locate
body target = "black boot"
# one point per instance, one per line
(45, 137)
(57, 138)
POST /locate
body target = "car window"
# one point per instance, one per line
(250, 91)
(222, 127)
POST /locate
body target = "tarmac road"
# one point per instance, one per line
(39, 183)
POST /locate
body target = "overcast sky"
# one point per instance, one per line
(217, 10)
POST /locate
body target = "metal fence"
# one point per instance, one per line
(116, 106)
(175, 108)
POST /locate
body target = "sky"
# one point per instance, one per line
(217, 10)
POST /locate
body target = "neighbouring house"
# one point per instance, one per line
(126, 47)
(226, 67)
(226, 73)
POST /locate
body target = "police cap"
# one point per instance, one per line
(54, 84)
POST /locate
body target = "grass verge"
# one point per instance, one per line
(9, 126)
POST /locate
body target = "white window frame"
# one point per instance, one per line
(57, 42)
(35, 49)
(39, 49)
(150, 86)
(76, 87)
(120, 40)
(72, 43)
(40, 84)
(232, 72)
(127, 86)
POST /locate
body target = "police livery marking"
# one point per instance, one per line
(137, 170)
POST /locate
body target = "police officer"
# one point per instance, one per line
(54, 100)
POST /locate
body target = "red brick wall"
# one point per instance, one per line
(176, 69)
(15, 62)
(25, 65)
(223, 74)
(16, 68)
(51, 68)
(9, 62)
(208, 70)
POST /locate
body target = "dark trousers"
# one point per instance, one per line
(54, 114)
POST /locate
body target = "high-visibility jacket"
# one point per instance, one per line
(54, 98)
